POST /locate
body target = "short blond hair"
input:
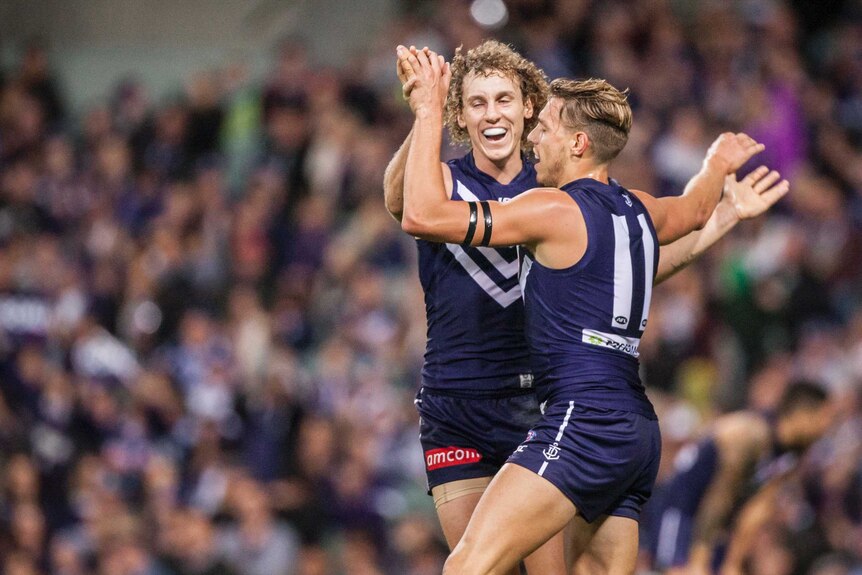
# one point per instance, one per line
(599, 109)
(493, 57)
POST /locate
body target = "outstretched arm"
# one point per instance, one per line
(674, 217)
(742, 200)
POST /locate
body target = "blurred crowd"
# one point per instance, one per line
(211, 331)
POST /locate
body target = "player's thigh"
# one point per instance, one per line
(576, 537)
(455, 502)
(549, 559)
(518, 512)
(612, 549)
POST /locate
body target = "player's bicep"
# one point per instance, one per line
(672, 217)
(526, 219)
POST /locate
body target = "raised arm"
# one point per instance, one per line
(393, 180)
(674, 217)
(742, 200)
(430, 215)
(393, 177)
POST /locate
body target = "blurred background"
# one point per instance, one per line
(211, 331)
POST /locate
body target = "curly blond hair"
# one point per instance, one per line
(493, 57)
(597, 108)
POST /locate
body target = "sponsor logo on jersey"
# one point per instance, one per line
(627, 199)
(526, 380)
(552, 452)
(449, 456)
(627, 345)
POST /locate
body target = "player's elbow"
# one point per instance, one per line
(414, 224)
(395, 210)
(701, 217)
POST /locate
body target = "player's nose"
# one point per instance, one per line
(492, 113)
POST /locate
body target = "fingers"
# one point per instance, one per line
(408, 87)
(750, 144)
(767, 181)
(421, 57)
(755, 175)
(410, 57)
(436, 62)
(405, 72)
(775, 193)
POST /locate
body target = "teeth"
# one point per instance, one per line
(490, 132)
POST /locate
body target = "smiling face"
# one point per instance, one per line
(493, 113)
(551, 142)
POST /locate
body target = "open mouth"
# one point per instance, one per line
(494, 134)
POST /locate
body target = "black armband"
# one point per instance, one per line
(471, 227)
(489, 222)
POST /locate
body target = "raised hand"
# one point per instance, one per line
(405, 74)
(755, 193)
(733, 150)
(425, 77)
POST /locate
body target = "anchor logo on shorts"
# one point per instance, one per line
(552, 452)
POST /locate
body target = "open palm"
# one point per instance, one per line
(755, 193)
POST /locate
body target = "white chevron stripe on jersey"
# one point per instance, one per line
(526, 264)
(466, 194)
(507, 269)
(501, 296)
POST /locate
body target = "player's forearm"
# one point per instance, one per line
(428, 213)
(393, 180)
(684, 251)
(703, 192)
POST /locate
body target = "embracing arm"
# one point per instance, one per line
(742, 200)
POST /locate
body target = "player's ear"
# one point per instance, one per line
(528, 108)
(461, 122)
(580, 143)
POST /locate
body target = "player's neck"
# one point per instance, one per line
(504, 171)
(583, 169)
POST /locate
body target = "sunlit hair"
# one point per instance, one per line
(488, 58)
(598, 109)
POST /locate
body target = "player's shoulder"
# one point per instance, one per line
(553, 197)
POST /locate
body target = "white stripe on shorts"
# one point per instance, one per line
(559, 436)
(565, 421)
